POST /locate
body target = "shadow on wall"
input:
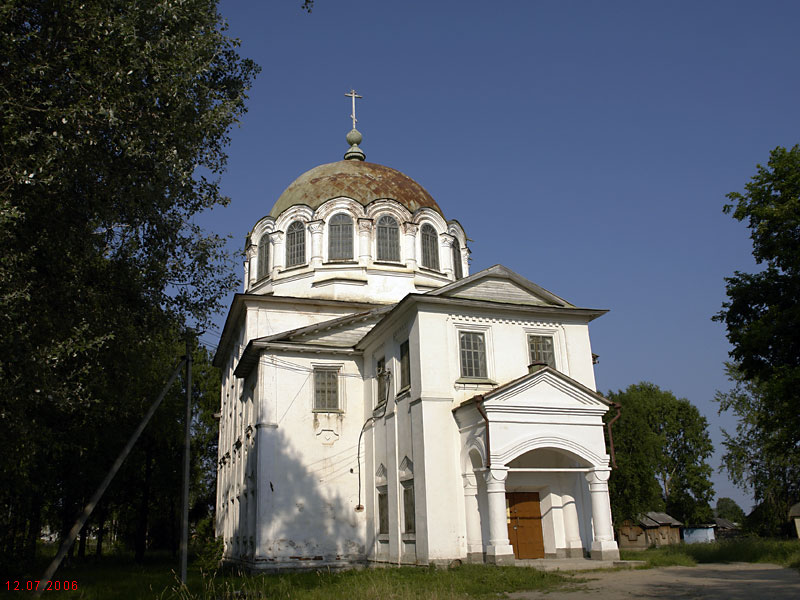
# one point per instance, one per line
(304, 512)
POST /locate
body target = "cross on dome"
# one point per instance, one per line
(353, 94)
(354, 137)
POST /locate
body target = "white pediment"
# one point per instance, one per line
(498, 290)
(545, 392)
(500, 284)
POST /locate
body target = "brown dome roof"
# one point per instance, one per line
(359, 180)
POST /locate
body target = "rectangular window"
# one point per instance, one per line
(383, 511)
(408, 507)
(473, 354)
(326, 389)
(380, 375)
(541, 350)
(405, 366)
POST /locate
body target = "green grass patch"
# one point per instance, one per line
(113, 580)
(748, 549)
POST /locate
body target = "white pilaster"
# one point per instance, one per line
(364, 242)
(410, 234)
(603, 545)
(279, 251)
(446, 254)
(569, 508)
(499, 550)
(316, 228)
(250, 269)
(473, 518)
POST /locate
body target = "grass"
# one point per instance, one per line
(114, 579)
(751, 549)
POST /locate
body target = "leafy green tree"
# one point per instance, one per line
(728, 509)
(662, 452)
(115, 118)
(762, 318)
(759, 458)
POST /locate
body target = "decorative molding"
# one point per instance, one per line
(316, 227)
(365, 225)
(410, 228)
(511, 452)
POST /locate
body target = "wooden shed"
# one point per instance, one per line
(794, 516)
(649, 529)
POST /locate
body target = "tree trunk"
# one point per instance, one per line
(82, 543)
(101, 523)
(34, 527)
(144, 507)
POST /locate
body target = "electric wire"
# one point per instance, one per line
(388, 374)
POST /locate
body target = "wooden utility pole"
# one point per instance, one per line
(186, 447)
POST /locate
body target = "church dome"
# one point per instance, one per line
(362, 181)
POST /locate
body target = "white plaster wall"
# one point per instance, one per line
(307, 492)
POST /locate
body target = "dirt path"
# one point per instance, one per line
(737, 581)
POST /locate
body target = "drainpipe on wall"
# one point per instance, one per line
(618, 406)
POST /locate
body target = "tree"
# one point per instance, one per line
(762, 318)
(760, 457)
(728, 509)
(662, 447)
(115, 117)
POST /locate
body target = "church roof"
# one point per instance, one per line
(362, 181)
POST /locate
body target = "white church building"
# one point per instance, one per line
(382, 404)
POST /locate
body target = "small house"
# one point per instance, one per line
(794, 515)
(649, 529)
(698, 534)
(726, 529)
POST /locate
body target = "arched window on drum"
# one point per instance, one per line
(340, 237)
(295, 244)
(458, 269)
(388, 239)
(430, 247)
(263, 257)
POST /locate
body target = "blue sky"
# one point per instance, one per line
(586, 145)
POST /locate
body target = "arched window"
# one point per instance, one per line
(388, 239)
(458, 270)
(430, 247)
(340, 237)
(263, 257)
(295, 244)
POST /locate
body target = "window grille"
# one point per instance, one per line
(541, 349)
(405, 366)
(263, 257)
(380, 373)
(295, 244)
(383, 511)
(388, 237)
(473, 354)
(326, 390)
(430, 247)
(340, 237)
(458, 270)
(408, 507)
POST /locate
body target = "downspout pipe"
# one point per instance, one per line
(479, 406)
(618, 406)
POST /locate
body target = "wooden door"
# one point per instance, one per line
(525, 524)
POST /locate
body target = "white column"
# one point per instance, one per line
(498, 550)
(603, 545)
(446, 254)
(364, 242)
(410, 234)
(279, 251)
(473, 518)
(249, 271)
(569, 509)
(316, 228)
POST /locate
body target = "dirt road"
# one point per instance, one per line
(738, 581)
